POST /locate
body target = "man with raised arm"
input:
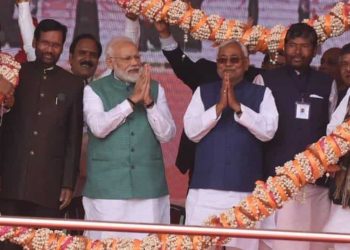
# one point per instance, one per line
(42, 134)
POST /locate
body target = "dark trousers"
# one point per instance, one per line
(24, 208)
(75, 211)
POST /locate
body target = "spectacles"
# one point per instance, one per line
(127, 58)
(225, 60)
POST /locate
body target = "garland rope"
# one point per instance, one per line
(9, 69)
(215, 28)
(266, 198)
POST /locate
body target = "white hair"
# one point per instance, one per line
(233, 41)
(114, 42)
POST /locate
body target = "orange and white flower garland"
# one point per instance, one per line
(218, 29)
(267, 197)
(9, 68)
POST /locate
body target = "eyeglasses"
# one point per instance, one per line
(127, 58)
(232, 60)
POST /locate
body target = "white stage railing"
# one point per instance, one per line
(172, 229)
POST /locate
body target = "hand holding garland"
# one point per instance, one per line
(9, 73)
(218, 29)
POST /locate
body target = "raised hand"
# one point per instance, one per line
(6, 87)
(131, 16)
(9, 101)
(163, 29)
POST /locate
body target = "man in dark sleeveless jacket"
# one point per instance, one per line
(304, 99)
(193, 74)
(228, 120)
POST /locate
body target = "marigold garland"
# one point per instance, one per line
(9, 69)
(267, 197)
(218, 29)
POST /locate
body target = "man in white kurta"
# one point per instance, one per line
(137, 192)
(339, 219)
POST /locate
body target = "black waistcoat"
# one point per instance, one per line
(294, 135)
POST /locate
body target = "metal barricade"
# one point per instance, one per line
(173, 229)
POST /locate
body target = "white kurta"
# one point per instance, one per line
(198, 122)
(338, 222)
(102, 123)
(202, 203)
(155, 211)
(339, 218)
(339, 114)
(308, 212)
(26, 28)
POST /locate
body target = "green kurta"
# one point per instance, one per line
(128, 163)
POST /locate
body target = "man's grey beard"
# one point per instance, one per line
(126, 77)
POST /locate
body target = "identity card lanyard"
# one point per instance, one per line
(302, 106)
(302, 109)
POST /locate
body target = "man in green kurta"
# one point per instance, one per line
(128, 117)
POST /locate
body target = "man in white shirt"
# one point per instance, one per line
(128, 117)
(228, 120)
(339, 219)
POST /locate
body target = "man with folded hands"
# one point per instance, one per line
(128, 117)
(229, 120)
